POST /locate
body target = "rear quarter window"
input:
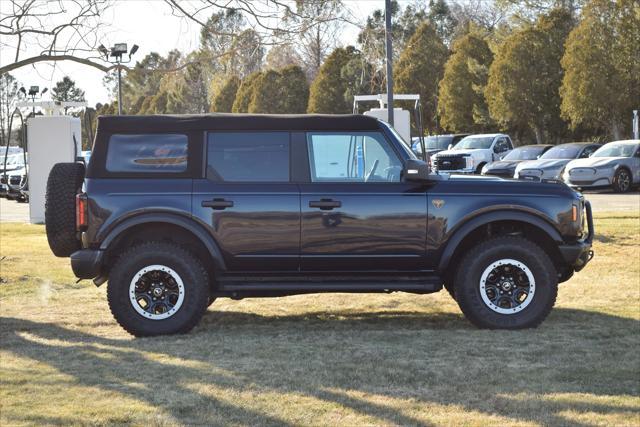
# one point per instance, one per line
(147, 153)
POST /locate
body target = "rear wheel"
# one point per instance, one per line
(622, 181)
(506, 283)
(158, 289)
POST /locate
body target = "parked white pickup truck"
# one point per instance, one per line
(472, 153)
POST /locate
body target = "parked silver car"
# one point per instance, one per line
(551, 163)
(616, 165)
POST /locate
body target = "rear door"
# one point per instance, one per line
(248, 202)
(357, 213)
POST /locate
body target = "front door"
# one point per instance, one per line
(247, 200)
(357, 213)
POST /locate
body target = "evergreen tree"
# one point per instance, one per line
(223, 101)
(525, 77)
(327, 92)
(443, 20)
(266, 95)
(601, 83)
(294, 90)
(245, 93)
(66, 90)
(420, 68)
(461, 103)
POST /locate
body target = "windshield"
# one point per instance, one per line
(474, 142)
(437, 142)
(565, 151)
(405, 146)
(14, 160)
(524, 153)
(616, 150)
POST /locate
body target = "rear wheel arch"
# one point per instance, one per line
(164, 227)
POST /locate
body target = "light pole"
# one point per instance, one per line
(387, 32)
(116, 53)
(33, 91)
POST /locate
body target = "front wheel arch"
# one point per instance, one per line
(491, 225)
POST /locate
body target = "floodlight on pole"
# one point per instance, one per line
(117, 52)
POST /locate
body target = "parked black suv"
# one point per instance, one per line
(175, 211)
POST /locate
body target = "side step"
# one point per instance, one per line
(310, 284)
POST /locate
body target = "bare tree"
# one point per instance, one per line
(319, 36)
(57, 30)
(71, 30)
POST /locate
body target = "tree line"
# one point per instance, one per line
(546, 71)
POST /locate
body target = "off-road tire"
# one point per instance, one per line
(186, 265)
(63, 184)
(618, 178)
(477, 259)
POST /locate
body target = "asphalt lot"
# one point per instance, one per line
(11, 211)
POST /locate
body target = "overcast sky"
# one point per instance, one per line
(149, 24)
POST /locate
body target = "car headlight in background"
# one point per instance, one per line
(469, 162)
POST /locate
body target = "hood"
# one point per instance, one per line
(432, 151)
(17, 172)
(593, 162)
(503, 164)
(543, 164)
(458, 152)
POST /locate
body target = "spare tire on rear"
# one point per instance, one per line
(64, 183)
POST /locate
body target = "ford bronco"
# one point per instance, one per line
(176, 211)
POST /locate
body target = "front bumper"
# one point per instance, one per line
(583, 182)
(457, 171)
(87, 263)
(578, 254)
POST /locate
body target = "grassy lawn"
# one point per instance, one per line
(331, 359)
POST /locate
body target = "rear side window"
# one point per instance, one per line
(248, 156)
(147, 153)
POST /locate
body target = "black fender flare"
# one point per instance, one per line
(187, 223)
(485, 218)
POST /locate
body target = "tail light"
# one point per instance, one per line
(574, 213)
(82, 215)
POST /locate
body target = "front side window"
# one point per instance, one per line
(248, 156)
(588, 151)
(352, 157)
(147, 153)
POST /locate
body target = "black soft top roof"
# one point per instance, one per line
(223, 121)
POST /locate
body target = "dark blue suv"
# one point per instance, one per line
(176, 211)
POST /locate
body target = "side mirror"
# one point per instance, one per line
(449, 147)
(416, 170)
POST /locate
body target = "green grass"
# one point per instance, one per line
(330, 359)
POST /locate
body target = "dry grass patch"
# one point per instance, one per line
(396, 359)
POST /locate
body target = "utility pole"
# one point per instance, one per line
(636, 125)
(389, 49)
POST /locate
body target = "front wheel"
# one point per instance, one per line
(158, 289)
(506, 283)
(622, 181)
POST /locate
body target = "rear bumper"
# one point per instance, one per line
(578, 254)
(87, 263)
